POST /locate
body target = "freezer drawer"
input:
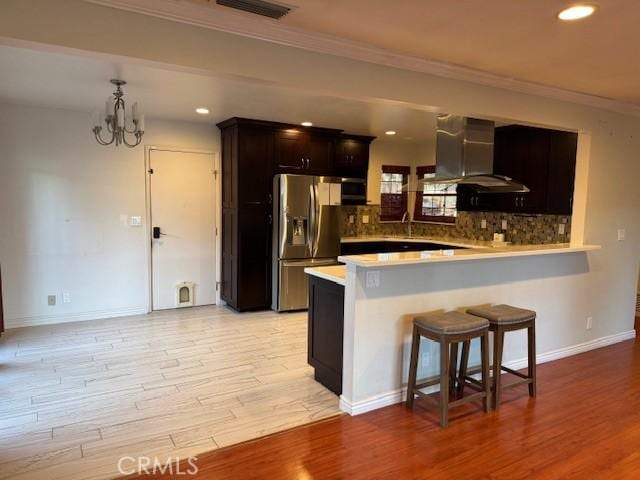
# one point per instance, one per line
(293, 291)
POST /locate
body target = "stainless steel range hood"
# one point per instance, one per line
(464, 156)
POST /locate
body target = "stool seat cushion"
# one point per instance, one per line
(503, 314)
(450, 322)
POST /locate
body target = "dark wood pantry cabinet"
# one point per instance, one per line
(253, 151)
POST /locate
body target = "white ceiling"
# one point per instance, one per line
(519, 39)
(82, 83)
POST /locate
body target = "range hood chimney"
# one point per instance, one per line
(464, 156)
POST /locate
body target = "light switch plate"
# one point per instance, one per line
(504, 224)
(561, 227)
(373, 279)
(483, 224)
(66, 297)
(365, 219)
(621, 234)
(51, 300)
(135, 221)
(352, 219)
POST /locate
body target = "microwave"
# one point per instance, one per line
(354, 191)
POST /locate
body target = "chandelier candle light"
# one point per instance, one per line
(116, 120)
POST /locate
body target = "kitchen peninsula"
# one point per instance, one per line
(361, 313)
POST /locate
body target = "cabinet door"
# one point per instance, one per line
(352, 157)
(534, 154)
(290, 151)
(562, 171)
(255, 158)
(228, 286)
(468, 200)
(325, 332)
(254, 264)
(522, 153)
(319, 155)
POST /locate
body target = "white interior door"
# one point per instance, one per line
(182, 195)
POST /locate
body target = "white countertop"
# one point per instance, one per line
(484, 252)
(466, 243)
(333, 273)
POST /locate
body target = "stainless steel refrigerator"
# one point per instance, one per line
(306, 233)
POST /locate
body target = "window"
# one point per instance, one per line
(393, 200)
(436, 202)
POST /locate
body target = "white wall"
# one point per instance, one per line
(63, 199)
(396, 152)
(378, 321)
(607, 195)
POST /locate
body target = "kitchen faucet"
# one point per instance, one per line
(405, 219)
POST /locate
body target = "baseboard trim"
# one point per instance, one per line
(398, 395)
(72, 317)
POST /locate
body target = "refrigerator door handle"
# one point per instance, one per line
(312, 219)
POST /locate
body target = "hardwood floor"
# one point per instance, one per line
(76, 397)
(585, 423)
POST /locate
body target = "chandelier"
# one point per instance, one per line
(116, 121)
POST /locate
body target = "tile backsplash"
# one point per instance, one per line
(521, 228)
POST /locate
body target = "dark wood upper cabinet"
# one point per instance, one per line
(544, 160)
(253, 151)
(290, 150)
(304, 151)
(562, 172)
(352, 156)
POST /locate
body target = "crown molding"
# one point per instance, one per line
(220, 18)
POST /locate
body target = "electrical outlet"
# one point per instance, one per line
(51, 300)
(66, 297)
(561, 228)
(589, 323)
(504, 225)
(373, 279)
(483, 224)
(621, 234)
(365, 218)
(352, 219)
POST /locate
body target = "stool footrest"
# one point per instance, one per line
(426, 396)
(514, 372)
(517, 384)
(473, 383)
(468, 398)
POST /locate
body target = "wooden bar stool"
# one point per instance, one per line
(448, 329)
(502, 319)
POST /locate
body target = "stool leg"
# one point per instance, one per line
(498, 341)
(444, 383)
(464, 363)
(413, 366)
(531, 335)
(484, 350)
(453, 366)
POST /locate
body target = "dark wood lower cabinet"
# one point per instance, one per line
(326, 327)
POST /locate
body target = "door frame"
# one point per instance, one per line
(217, 184)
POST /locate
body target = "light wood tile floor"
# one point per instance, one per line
(76, 397)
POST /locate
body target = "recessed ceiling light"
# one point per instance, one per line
(307, 124)
(576, 12)
(390, 132)
(202, 111)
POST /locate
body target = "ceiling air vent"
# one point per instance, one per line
(259, 7)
